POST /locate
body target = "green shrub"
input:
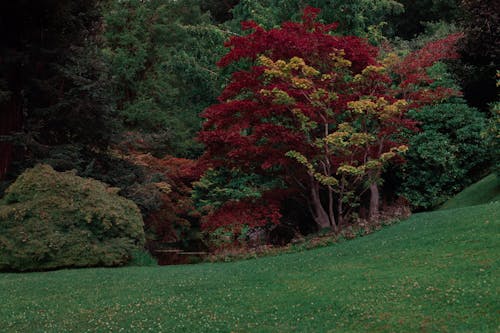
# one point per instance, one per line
(142, 258)
(51, 220)
(493, 133)
(448, 154)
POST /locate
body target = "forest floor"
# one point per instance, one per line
(436, 271)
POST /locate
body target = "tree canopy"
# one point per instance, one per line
(318, 111)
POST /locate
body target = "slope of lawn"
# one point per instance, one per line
(484, 191)
(437, 271)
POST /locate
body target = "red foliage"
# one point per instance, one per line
(413, 67)
(173, 217)
(307, 40)
(249, 130)
(413, 75)
(225, 133)
(235, 214)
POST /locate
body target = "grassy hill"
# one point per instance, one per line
(438, 271)
(484, 191)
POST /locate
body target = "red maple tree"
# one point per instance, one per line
(320, 111)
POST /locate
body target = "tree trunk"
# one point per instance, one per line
(319, 214)
(340, 211)
(331, 213)
(374, 202)
(320, 217)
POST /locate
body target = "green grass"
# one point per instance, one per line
(484, 191)
(437, 271)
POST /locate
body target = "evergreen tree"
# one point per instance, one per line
(221, 10)
(412, 21)
(163, 56)
(480, 51)
(355, 17)
(54, 90)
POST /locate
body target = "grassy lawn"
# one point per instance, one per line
(437, 271)
(485, 190)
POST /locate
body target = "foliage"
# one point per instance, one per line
(318, 111)
(480, 51)
(221, 11)
(494, 136)
(162, 55)
(412, 21)
(493, 131)
(51, 220)
(300, 243)
(111, 167)
(417, 74)
(83, 113)
(141, 258)
(481, 44)
(446, 155)
(449, 152)
(241, 196)
(357, 17)
(434, 272)
(160, 187)
(173, 221)
(433, 31)
(57, 82)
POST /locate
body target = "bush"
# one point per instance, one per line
(142, 258)
(446, 156)
(50, 220)
(493, 135)
(173, 220)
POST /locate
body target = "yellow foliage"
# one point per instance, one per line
(305, 123)
(372, 69)
(164, 187)
(301, 83)
(301, 159)
(350, 170)
(338, 60)
(359, 139)
(337, 138)
(279, 96)
(326, 77)
(283, 69)
(326, 180)
(362, 106)
(390, 60)
(387, 156)
(373, 164)
(367, 71)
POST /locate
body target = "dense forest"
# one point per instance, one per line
(238, 123)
